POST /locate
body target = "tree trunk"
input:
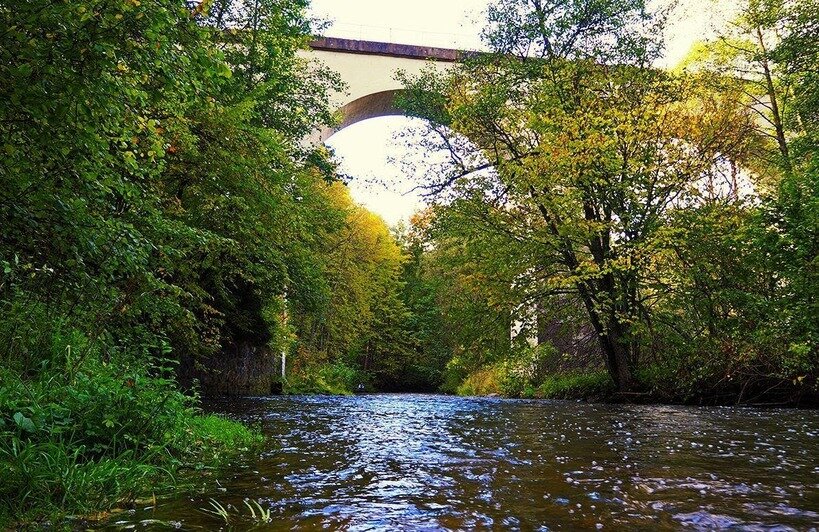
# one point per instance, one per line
(610, 334)
(776, 114)
(612, 342)
(618, 361)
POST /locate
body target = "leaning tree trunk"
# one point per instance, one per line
(610, 331)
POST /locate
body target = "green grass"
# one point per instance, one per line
(103, 436)
(576, 386)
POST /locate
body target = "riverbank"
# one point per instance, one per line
(98, 437)
(654, 387)
(326, 379)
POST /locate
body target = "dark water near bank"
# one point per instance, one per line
(414, 462)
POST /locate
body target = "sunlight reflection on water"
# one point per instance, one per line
(387, 462)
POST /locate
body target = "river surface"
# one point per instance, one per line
(424, 462)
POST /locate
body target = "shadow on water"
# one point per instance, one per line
(386, 462)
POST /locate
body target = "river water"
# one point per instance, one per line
(424, 462)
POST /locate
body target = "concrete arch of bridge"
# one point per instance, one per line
(370, 106)
(368, 70)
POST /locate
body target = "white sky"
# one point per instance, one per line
(368, 150)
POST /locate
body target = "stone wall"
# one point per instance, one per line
(239, 370)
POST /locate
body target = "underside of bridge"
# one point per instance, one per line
(369, 106)
(368, 69)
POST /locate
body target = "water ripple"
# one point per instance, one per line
(395, 462)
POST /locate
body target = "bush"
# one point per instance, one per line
(577, 386)
(526, 368)
(335, 378)
(453, 375)
(524, 375)
(486, 381)
(664, 381)
(87, 440)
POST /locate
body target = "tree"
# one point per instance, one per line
(468, 281)
(92, 95)
(153, 180)
(792, 217)
(361, 262)
(743, 272)
(743, 56)
(589, 150)
(260, 40)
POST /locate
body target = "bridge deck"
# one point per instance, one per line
(352, 46)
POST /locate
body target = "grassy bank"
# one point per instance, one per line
(76, 441)
(503, 380)
(654, 386)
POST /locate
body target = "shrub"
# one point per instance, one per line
(335, 378)
(486, 381)
(577, 386)
(102, 435)
(454, 374)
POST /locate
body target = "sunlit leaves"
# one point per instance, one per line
(588, 161)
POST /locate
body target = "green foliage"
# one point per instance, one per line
(100, 436)
(215, 439)
(158, 197)
(739, 322)
(157, 211)
(503, 379)
(329, 378)
(460, 299)
(588, 159)
(602, 30)
(454, 373)
(259, 40)
(580, 386)
(485, 381)
(672, 214)
(381, 316)
(519, 377)
(526, 368)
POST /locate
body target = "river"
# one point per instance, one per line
(425, 462)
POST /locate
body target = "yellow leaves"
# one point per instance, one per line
(422, 220)
(362, 262)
